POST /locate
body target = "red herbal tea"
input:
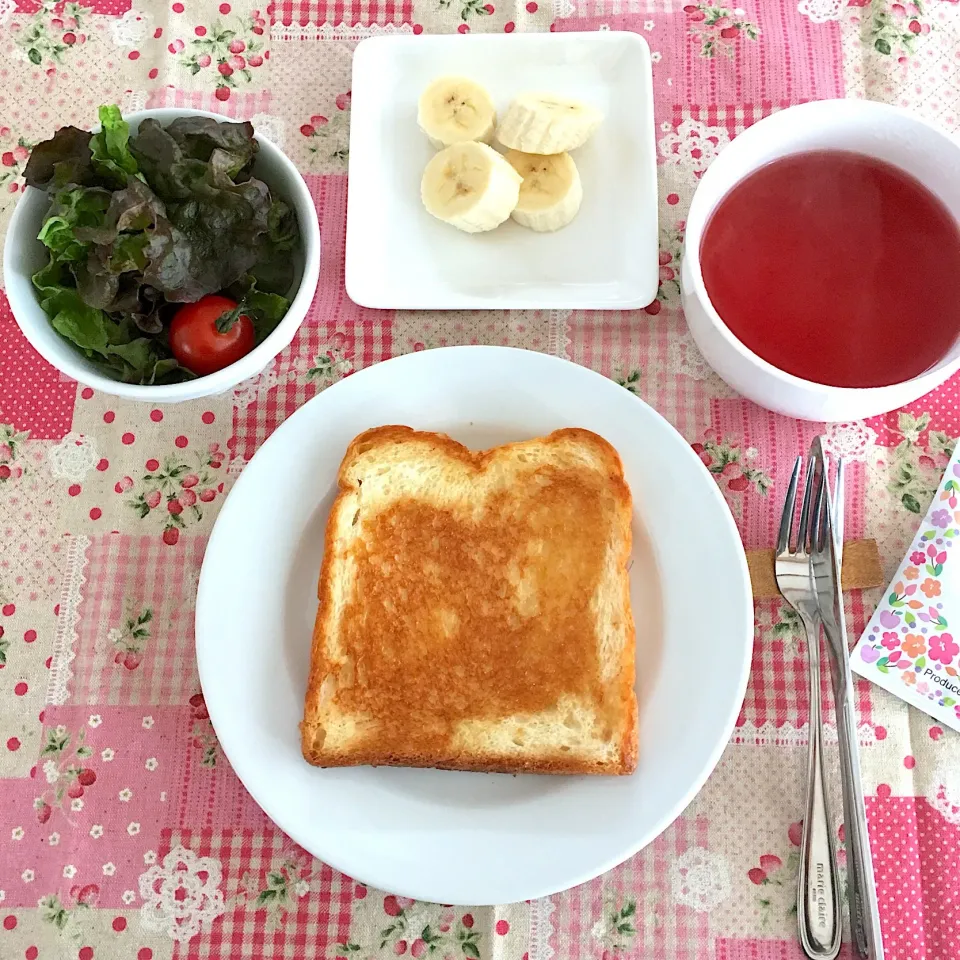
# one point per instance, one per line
(837, 268)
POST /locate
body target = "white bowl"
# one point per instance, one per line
(875, 129)
(23, 255)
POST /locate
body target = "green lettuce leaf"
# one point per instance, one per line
(58, 237)
(110, 150)
(117, 348)
(264, 308)
(78, 208)
(49, 279)
(90, 329)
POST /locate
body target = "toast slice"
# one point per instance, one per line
(475, 608)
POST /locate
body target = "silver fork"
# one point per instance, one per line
(818, 890)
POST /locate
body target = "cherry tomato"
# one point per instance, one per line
(199, 345)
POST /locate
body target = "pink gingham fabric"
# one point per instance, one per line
(123, 831)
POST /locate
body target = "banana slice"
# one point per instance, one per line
(541, 123)
(550, 194)
(470, 186)
(455, 110)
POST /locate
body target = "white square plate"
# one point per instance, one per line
(399, 256)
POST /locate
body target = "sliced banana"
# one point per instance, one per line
(541, 123)
(470, 186)
(455, 110)
(550, 194)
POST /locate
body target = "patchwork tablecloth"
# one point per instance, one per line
(123, 831)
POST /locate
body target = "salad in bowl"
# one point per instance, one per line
(174, 254)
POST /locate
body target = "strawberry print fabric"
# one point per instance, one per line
(123, 831)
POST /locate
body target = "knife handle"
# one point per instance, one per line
(864, 909)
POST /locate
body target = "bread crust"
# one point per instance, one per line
(321, 664)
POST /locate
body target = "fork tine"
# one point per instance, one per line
(790, 501)
(818, 531)
(838, 510)
(804, 528)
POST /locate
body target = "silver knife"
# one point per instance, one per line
(825, 569)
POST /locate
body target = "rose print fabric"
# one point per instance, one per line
(123, 831)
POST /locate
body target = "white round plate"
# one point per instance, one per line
(467, 838)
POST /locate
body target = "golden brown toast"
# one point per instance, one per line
(475, 608)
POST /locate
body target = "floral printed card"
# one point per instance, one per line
(908, 646)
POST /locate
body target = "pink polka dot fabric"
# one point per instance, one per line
(32, 393)
(124, 832)
(918, 879)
